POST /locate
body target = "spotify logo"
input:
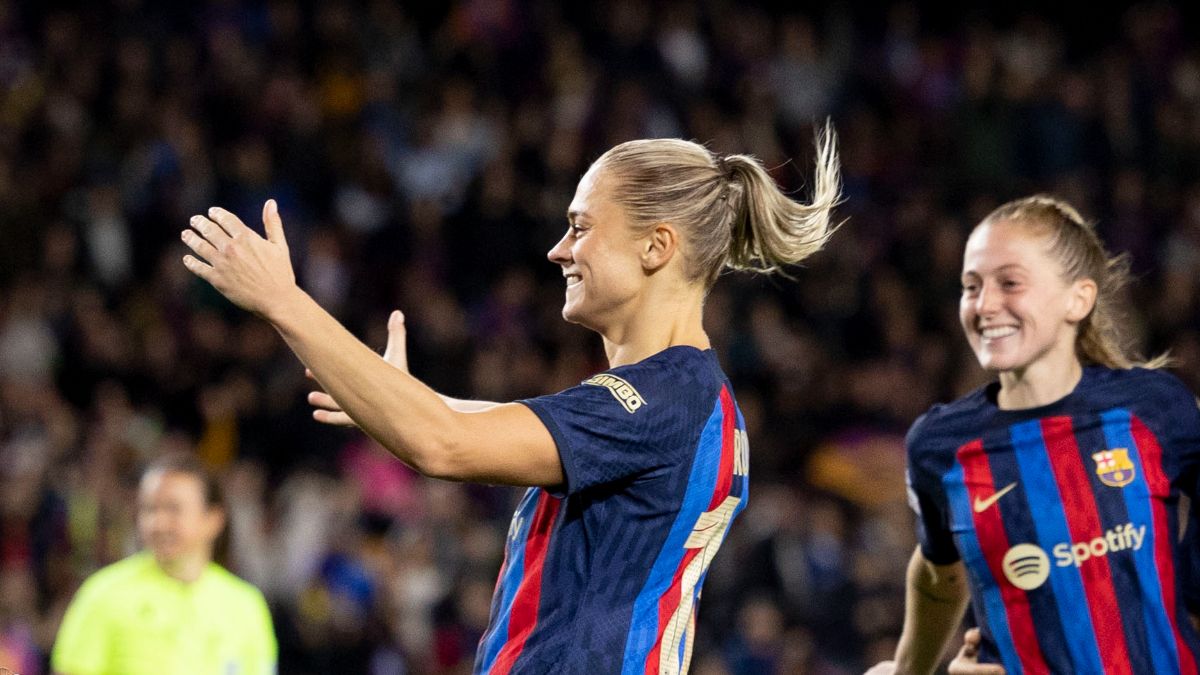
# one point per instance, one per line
(1026, 566)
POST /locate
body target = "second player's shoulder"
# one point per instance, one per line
(946, 426)
(1152, 389)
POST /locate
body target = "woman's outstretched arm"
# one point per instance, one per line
(504, 444)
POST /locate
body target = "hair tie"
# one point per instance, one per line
(725, 168)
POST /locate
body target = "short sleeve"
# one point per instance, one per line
(1189, 562)
(927, 498)
(263, 649)
(629, 422)
(1185, 433)
(1185, 448)
(84, 642)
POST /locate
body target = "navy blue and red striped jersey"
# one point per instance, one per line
(1067, 519)
(603, 575)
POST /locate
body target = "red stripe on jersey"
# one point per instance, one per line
(669, 602)
(993, 540)
(1083, 522)
(1160, 488)
(728, 429)
(523, 616)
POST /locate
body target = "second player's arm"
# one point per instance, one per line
(934, 603)
(329, 411)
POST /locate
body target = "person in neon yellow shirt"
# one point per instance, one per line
(169, 608)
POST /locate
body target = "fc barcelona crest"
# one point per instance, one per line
(1114, 467)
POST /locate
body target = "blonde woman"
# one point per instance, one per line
(1050, 497)
(635, 475)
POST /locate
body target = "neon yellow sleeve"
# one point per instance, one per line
(84, 642)
(263, 655)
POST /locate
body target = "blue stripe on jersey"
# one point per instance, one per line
(514, 572)
(1019, 527)
(1051, 524)
(643, 626)
(1163, 651)
(972, 555)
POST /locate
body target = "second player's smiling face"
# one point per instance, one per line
(1016, 307)
(599, 254)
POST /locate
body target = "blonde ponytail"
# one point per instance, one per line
(769, 229)
(729, 208)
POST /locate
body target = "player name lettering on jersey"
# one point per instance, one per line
(621, 390)
(741, 453)
(1121, 538)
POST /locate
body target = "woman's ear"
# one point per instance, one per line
(1082, 300)
(659, 246)
(214, 520)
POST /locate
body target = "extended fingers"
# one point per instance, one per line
(334, 418)
(198, 244)
(396, 352)
(273, 224)
(212, 232)
(199, 268)
(322, 400)
(228, 222)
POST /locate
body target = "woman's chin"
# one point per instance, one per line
(165, 555)
(573, 312)
(997, 363)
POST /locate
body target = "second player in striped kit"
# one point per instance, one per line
(1050, 496)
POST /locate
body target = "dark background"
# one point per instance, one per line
(423, 159)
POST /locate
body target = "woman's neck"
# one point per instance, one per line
(1039, 384)
(187, 569)
(671, 321)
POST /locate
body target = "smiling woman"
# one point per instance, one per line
(635, 474)
(1050, 497)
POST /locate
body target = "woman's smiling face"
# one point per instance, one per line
(1017, 308)
(599, 254)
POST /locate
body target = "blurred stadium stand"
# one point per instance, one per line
(423, 159)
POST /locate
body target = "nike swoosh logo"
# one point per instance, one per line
(982, 505)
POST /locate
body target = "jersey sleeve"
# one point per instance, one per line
(1185, 430)
(625, 423)
(1185, 447)
(927, 497)
(85, 638)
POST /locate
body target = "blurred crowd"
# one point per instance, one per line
(423, 158)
